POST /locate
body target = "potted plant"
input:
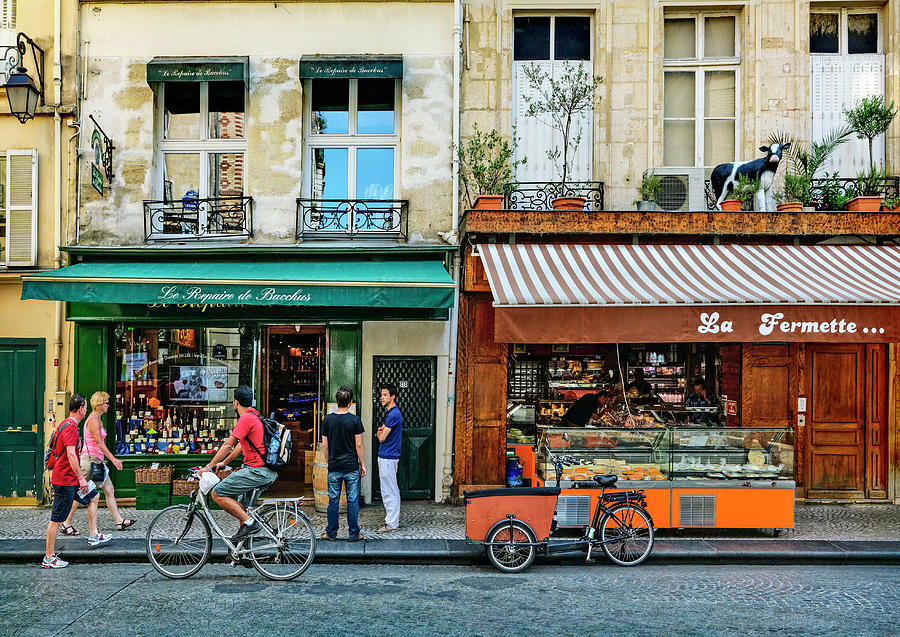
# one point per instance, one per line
(870, 118)
(794, 194)
(891, 205)
(743, 194)
(805, 161)
(833, 196)
(648, 191)
(486, 168)
(869, 185)
(559, 102)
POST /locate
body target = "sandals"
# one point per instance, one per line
(68, 529)
(124, 524)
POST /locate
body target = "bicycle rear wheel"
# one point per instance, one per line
(179, 542)
(627, 535)
(293, 550)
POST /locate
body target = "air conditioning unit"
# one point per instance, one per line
(681, 189)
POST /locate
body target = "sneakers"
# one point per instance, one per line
(97, 540)
(53, 562)
(246, 531)
(387, 528)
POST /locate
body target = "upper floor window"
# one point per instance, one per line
(700, 89)
(202, 140)
(844, 32)
(353, 138)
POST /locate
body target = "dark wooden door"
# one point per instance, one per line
(836, 420)
(21, 417)
(416, 382)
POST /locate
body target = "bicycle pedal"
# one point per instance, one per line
(232, 564)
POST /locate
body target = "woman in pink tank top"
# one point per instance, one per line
(95, 450)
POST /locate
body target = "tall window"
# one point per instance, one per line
(701, 84)
(2, 210)
(7, 34)
(353, 137)
(202, 142)
(549, 42)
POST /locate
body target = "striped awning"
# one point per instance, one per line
(568, 293)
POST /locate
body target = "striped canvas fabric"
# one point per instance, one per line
(653, 275)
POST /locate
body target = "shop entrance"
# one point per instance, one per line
(416, 382)
(21, 415)
(293, 384)
(845, 421)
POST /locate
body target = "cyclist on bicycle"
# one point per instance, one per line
(253, 474)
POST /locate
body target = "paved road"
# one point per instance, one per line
(131, 599)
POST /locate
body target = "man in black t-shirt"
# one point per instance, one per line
(579, 414)
(343, 447)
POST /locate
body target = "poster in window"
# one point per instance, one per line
(198, 384)
(135, 365)
(185, 338)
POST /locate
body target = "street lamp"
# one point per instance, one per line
(20, 88)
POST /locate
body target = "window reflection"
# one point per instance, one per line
(331, 107)
(375, 107)
(329, 173)
(182, 110)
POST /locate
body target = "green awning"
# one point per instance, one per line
(351, 66)
(344, 283)
(198, 69)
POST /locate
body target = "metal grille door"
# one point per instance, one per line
(416, 383)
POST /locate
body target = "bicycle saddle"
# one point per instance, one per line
(606, 481)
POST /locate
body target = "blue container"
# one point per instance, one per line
(513, 472)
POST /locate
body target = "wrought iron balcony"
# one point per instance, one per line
(825, 191)
(357, 218)
(189, 218)
(538, 195)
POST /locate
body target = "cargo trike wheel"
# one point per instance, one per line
(511, 546)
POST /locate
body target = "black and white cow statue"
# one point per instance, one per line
(725, 176)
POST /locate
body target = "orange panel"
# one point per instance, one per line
(535, 510)
(745, 508)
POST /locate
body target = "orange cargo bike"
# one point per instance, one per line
(514, 525)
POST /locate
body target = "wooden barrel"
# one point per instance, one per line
(320, 484)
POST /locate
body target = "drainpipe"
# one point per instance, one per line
(57, 184)
(447, 478)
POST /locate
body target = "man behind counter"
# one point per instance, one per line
(643, 387)
(579, 414)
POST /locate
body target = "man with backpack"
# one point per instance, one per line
(255, 473)
(69, 484)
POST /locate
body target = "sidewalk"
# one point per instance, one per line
(435, 533)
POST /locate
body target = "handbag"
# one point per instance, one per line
(98, 472)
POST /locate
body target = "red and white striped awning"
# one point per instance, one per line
(610, 275)
(555, 293)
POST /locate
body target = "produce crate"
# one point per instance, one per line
(152, 496)
(160, 475)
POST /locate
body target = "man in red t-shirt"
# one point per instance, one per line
(254, 473)
(69, 484)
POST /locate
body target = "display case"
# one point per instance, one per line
(521, 421)
(732, 454)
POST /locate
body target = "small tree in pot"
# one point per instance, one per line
(486, 167)
(559, 102)
(870, 118)
(745, 191)
(648, 191)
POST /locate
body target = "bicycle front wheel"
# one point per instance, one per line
(627, 535)
(293, 549)
(178, 542)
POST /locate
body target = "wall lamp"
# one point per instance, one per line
(21, 90)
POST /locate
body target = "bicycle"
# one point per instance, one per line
(179, 538)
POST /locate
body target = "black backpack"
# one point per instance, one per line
(277, 443)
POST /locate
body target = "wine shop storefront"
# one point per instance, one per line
(171, 340)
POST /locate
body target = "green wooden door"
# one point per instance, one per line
(416, 382)
(21, 417)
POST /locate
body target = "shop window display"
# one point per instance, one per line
(174, 388)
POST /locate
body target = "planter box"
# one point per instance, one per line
(569, 203)
(489, 202)
(152, 496)
(864, 204)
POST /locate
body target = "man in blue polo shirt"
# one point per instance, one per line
(390, 437)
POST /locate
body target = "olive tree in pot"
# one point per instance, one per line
(648, 191)
(870, 118)
(560, 102)
(486, 168)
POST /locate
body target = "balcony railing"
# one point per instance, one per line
(825, 190)
(537, 195)
(357, 218)
(189, 218)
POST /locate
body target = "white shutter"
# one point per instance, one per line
(537, 137)
(836, 83)
(7, 34)
(21, 207)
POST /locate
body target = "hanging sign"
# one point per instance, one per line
(101, 164)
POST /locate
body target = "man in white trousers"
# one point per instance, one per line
(390, 437)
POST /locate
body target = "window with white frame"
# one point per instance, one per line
(846, 64)
(549, 42)
(701, 82)
(18, 208)
(353, 137)
(7, 37)
(202, 143)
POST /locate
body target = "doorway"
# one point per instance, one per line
(22, 440)
(416, 382)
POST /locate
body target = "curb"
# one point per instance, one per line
(460, 552)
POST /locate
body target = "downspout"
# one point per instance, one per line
(57, 185)
(447, 478)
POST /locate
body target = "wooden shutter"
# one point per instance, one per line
(21, 207)
(838, 82)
